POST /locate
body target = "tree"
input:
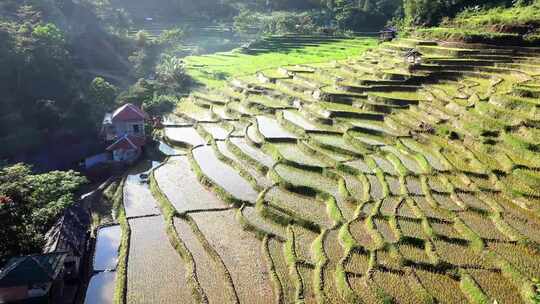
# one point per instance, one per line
(138, 93)
(49, 34)
(142, 38)
(171, 72)
(102, 93)
(42, 85)
(29, 205)
(171, 37)
(160, 104)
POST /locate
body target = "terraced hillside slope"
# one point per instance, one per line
(269, 53)
(361, 181)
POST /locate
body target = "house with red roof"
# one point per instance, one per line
(126, 120)
(127, 148)
(124, 130)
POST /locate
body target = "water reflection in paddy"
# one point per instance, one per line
(187, 135)
(223, 175)
(107, 244)
(101, 288)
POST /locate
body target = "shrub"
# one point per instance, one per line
(499, 16)
(280, 22)
(428, 12)
(171, 73)
(160, 104)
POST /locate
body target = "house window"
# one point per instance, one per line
(136, 129)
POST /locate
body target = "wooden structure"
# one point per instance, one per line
(387, 34)
(34, 279)
(413, 57)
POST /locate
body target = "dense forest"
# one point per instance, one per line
(64, 63)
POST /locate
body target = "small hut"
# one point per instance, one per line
(387, 34)
(413, 57)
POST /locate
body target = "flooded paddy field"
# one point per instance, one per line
(177, 174)
(241, 253)
(101, 288)
(138, 199)
(224, 175)
(151, 259)
(107, 246)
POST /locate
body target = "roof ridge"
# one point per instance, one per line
(131, 107)
(132, 144)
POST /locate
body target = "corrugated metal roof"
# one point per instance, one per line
(32, 269)
(69, 233)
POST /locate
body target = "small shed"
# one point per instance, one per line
(387, 34)
(33, 279)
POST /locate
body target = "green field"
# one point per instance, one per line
(214, 70)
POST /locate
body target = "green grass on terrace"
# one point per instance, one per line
(505, 25)
(215, 70)
(521, 15)
(453, 34)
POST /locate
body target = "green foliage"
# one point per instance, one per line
(428, 13)
(463, 34)
(171, 73)
(172, 36)
(518, 15)
(102, 92)
(486, 24)
(41, 84)
(365, 14)
(116, 20)
(472, 290)
(143, 61)
(160, 104)
(281, 22)
(49, 33)
(30, 204)
(120, 289)
(346, 15)
(138, 93)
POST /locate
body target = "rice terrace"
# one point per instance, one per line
(361, 180)
(302, 157)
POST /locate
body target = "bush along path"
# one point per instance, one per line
(368, 180)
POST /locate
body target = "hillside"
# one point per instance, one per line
(364, 180)
(514, 25)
